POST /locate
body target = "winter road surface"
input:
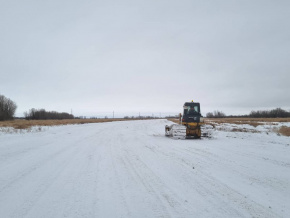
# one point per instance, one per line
(130, 169)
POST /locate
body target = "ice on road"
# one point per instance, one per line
(130, 169)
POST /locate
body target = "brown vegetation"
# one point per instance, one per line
(250, 121)
(284, 130)
(25, 124)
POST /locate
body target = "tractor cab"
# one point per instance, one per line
(191, 112)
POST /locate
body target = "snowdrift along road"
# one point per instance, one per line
(130, 169)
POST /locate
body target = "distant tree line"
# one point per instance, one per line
(42, 114)
(140, 117)
(278, 112)
(7, 108)
(216, 114)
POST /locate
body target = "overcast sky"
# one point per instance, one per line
(146, 56)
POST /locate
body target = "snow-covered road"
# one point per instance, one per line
(130, 169)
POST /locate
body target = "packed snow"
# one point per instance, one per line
(130, 169)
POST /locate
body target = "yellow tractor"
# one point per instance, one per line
(191, 124)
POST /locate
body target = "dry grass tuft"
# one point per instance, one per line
(284, 130)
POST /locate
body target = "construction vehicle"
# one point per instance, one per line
(191, 124)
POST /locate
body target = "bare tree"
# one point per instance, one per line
(7, 108)
(219, 114)
(209, 115)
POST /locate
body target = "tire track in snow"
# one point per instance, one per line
(123, 170)
(63, 157)
(142, 173)
(206, 183)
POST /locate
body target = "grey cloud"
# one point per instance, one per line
(145, 55)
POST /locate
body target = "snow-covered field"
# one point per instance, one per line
(130, 169)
